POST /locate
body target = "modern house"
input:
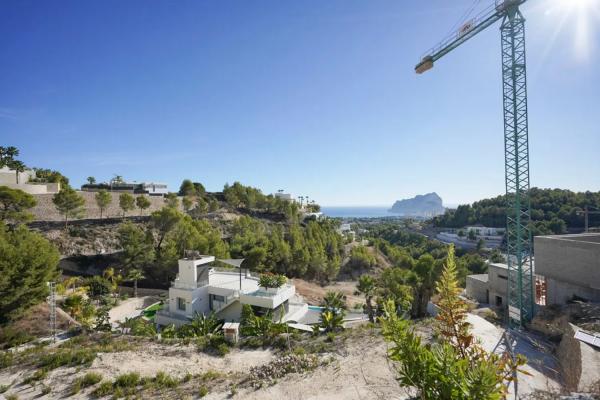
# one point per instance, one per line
(23, 181)
(149, 188)
(492, 237)
(202, 287)
(284, 196)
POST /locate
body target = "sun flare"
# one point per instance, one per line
(581, 17)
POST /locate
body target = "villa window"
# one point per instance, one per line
(181, 303)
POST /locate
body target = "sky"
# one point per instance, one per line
(315, 97)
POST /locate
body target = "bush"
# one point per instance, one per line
(223, 349)
(131, 379)
(3, 388)
(278, 368)
(89, 379)
(12, 397)
(104, 389)
(38, 375)
(10, 337)
(269, 280)
(164, 380)
(6, 359)
(67, 357)
(203, 391)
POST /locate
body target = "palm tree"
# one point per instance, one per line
(18, 167)
(72, 282)
(7, 155)
(366, 286)
(134, 276)
(74, 305)
(114, 277)
(91, 180)
(334, 301)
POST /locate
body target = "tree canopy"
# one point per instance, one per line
(27, 262)
(552, 211)
(69, 203)
(14, 204)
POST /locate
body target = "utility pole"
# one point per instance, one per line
(52, 308)
(586, 213)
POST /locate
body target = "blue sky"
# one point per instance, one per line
(315, 97)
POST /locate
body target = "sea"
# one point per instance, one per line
(357, 212)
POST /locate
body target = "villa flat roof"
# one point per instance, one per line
(231, 280)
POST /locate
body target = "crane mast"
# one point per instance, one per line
(516, 145)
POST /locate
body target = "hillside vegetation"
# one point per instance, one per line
(552, 211)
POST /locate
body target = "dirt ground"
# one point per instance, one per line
(313, 293)
(356, 369)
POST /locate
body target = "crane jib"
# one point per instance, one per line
(480, 22)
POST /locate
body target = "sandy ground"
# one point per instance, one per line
(172, 359)
(313, 293)
(176, 361)
(361, 372)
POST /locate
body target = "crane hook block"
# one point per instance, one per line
(425, 65)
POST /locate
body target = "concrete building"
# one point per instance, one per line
(570, 266)
(8, 177)
(284, 196)
(492, 237)
(490, 288)
(201, 287)
(149, 188)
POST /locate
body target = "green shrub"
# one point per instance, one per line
(104, 389)
(223, 349)
(12, 397)
(210, 375)
(203, 391)
(67, 358)
(6, 359)
(188, 377)
(164, 380)
(3, 388)
(38, 375)
(10, 337)
(128, 380)
(91, 378)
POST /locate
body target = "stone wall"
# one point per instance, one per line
(579, 361)
(46, 211)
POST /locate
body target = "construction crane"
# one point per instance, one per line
(516, 144)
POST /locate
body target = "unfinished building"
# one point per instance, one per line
(570, 266)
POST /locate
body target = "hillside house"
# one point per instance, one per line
(202, 287)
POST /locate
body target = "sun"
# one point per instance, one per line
(580, 18)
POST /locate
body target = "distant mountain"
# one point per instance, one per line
(426, 205)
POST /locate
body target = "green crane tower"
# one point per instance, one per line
(516, 144)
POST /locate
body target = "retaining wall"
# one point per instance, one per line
(46, 211)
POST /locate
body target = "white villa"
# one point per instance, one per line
(201, 287)
(21, 181)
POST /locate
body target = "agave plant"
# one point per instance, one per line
(201, 325)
